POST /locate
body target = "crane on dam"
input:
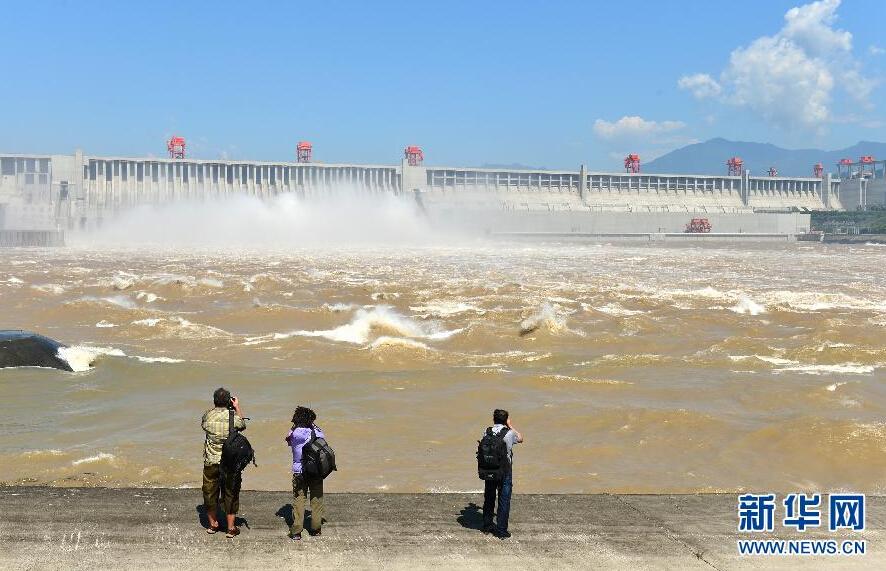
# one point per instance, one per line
(176, 147)
(866, 162)
(414, 155)
(632, 163)
(817, 170)
(736, 166)
(303, 152)
(773, 171)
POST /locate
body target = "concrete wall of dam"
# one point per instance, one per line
(80, 192)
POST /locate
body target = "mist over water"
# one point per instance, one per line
(629, 368)
(284, 221)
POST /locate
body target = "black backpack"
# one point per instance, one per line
(492, 455)
(317, 457)
(237, 452)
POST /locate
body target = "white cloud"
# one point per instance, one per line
(700, 84)
(876, 50)
(633, 126)
(789, 78)
(810, 27)
(779, 81)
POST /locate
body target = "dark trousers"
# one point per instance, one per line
(503, 489)
(214, 485)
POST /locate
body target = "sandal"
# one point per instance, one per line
(212, 529)
(232, 533)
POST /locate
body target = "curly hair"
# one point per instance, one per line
(303, 417)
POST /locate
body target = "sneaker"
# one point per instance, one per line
(295, 536)
(313, 533)
(487, 529)
(502, 534)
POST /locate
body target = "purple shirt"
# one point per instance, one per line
(298, 438)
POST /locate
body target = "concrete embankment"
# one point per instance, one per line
(63, 528)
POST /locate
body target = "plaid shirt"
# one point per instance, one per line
(215, 424)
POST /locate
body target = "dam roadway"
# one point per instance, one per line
(88, 528)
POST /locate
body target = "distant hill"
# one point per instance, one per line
(711, 156)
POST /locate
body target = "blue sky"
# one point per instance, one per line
(539, 83)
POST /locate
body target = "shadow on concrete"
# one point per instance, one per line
(471, 517)
(220, 518)
(286, 513)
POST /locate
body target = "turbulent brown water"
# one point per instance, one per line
(639, 368)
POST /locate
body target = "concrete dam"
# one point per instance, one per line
(79, 192)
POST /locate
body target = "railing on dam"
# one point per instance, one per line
(597, 189)
(119, 182)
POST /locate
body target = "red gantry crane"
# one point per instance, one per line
(773, 171)
(632, 163)
(698, 226)
(817, 170)
(414, 155)
(736, 166)
(176, 147)
(303, 152)
(865, 162)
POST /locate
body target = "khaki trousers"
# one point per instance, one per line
(212, 488)
(301, 487)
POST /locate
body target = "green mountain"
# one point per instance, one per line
(711, 156)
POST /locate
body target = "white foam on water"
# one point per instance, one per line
(105, 324)
(54, 289)
(81, 357)
(811, 301)
(211, 282)
(121, 283)
(446, 308)
(398, 342)
(821, 348)
(833, 387)
(377, 319)
(776, 360)
(147, 296)
(338, 307)
(157, 359)
(614, 309)
(149, 322)
(747, 306)
(100, 457)
(571, 379)
(199, 330)
(448, 490)
(547, 317)
(52, 452)
(117, 300)
(844, 368)
(14, 280)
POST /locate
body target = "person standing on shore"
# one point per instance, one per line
(499, 481)
(216, 424)
(303, 431)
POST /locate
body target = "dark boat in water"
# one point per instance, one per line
(25, 349)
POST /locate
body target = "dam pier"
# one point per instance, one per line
(80, 192)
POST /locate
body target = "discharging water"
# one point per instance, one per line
(628, 368)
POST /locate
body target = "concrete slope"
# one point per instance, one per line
(89, 528)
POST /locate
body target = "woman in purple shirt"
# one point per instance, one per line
(302, 424)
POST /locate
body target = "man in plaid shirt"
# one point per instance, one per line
(215, 424)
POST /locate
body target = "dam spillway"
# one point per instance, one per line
(82, 192)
